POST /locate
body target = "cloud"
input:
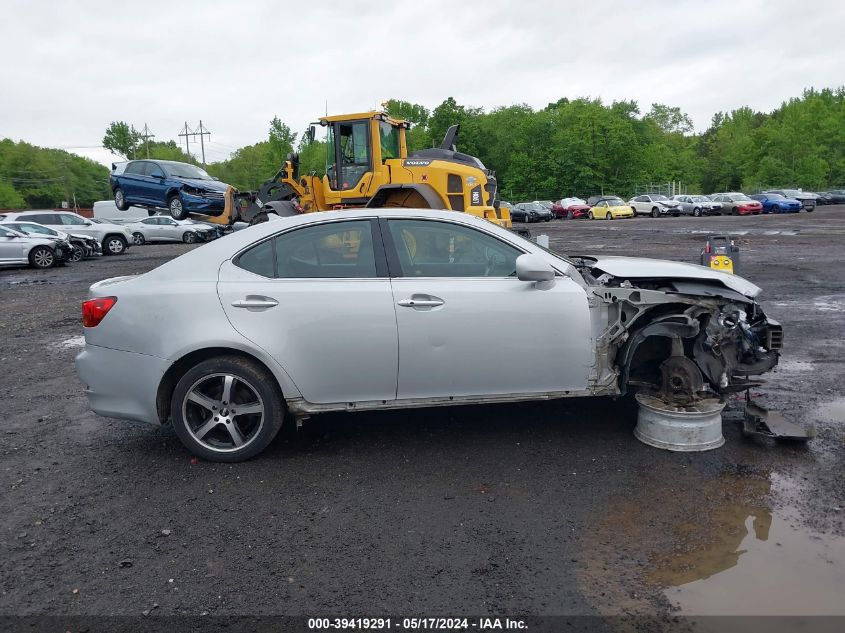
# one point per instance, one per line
(72, 68)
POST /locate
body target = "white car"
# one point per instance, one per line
(160, 228)
(107, 210)
(80, 246)
(698, 205)
(115, 239)
(655, 205)
(17, 248)
(368, 309)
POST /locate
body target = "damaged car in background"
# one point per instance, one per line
(383, 309)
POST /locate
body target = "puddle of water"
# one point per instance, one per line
(72, 342)
(756, 562)
(833, 410)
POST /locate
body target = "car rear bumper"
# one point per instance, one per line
(121, 384)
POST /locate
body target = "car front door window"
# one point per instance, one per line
(440, 249)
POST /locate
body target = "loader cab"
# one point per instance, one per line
(357, 147)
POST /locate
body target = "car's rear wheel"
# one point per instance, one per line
(189, 237)
(120, 199)
(655, 212)
(77, 253)
(227, 409)
(42, 257)
(138, 239)
(176, 208)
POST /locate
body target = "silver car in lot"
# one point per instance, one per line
(698, 205)
(18, 248)
(159, 228)
(377, 309)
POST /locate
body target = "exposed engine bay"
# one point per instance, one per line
(683, 337)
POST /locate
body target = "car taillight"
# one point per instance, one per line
(95, 310)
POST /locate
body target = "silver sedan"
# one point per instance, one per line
(159, 228)
(698, 205)
(377, 309)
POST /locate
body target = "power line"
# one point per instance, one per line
(147, 135)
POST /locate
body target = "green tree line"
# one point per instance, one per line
(570, 147)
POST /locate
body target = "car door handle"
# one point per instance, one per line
(254, 302)
(421, 301)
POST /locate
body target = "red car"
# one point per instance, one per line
(570, 208)
(735, 203)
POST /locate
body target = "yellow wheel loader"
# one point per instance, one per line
(367, 165)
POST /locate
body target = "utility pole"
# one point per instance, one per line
(186, 134)
(201, 133)
(147, 135)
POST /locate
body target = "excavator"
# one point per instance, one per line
(368, 165)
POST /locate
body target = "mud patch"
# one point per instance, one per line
(833, 411)
(752, 560)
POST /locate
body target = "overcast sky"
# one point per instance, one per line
(69, 68)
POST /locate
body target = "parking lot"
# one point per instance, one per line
(535, 509)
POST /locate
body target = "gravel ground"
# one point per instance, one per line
(530, 509)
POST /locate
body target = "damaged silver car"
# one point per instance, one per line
(375, 309)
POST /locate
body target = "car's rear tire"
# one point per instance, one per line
(189, 237)
(120, 199)
(655, 212)
(42, 257)
(206, 418)
(176, 208)
(138, 239)
(114, 245)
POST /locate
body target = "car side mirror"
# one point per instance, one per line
(157, 174)
(531, 267)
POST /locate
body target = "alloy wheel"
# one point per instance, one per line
(223, 412)
(43, 258)
(115, 246)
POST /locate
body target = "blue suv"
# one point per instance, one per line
(180, 188)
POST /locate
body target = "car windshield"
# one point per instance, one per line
(659, 197)
(615, 202)
(534, 206)
(699, 199)
(183, 170)
(775, 196)
(792, 192)
(739, 196)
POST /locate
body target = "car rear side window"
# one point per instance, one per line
(136, 167)
(43, 218)
(334, 250)
(427, 248)
(338, 250)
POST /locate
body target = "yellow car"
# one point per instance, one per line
(610, 209)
